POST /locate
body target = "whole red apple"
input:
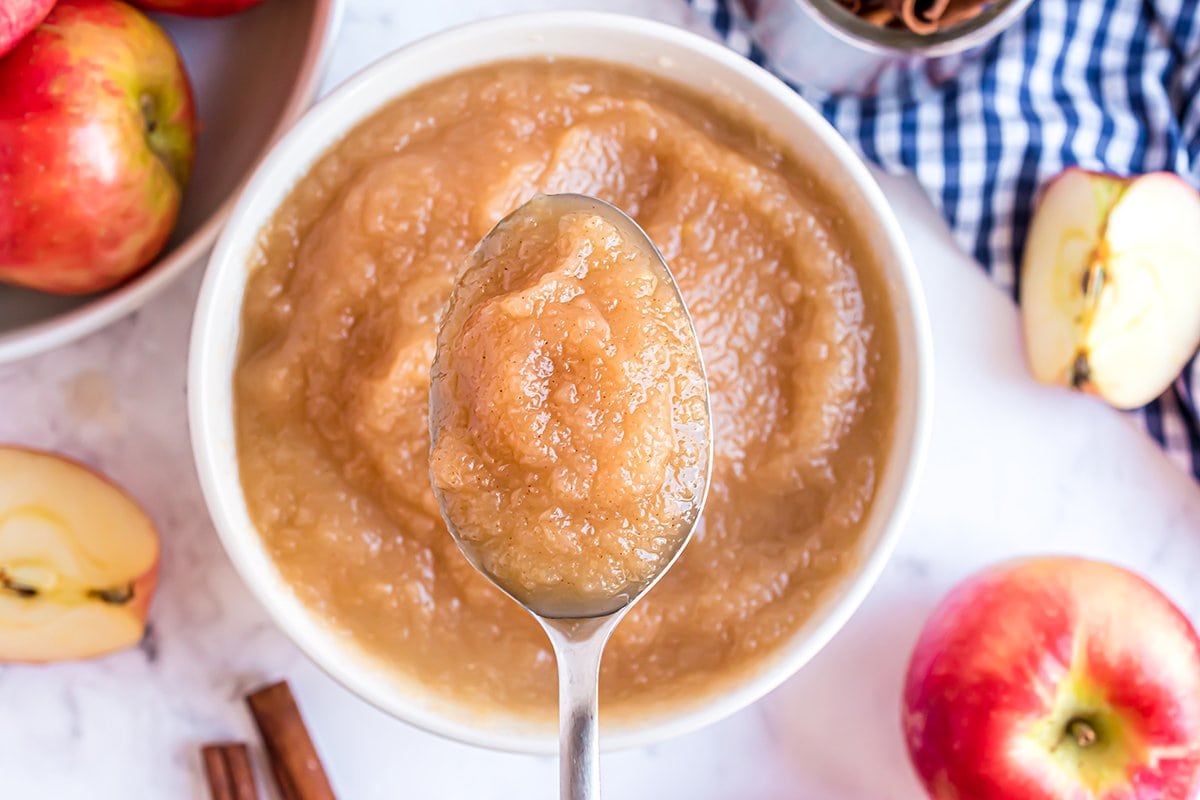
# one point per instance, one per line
(198, 8)
(19, 17)
(97, 136)
(1055, 679)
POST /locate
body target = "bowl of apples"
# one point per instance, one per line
(125, 131)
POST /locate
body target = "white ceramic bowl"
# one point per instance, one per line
(252, 73)
(662, 50)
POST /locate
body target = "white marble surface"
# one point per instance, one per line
(1013, 468)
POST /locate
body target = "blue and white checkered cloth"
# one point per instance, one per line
(1104, 84)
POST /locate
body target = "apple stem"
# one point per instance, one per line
(1082, 732)
(1081, 372)
(149, 115)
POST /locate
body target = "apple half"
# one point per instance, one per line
(1110, 284)
(78, 560)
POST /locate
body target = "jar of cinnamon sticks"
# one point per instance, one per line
(896, 48)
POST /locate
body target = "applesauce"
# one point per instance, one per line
(569, 410)
(339, 326)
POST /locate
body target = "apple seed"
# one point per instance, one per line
(117, 596)
(1093, 279)
(20, 589)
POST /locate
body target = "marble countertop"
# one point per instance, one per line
(1013, 468)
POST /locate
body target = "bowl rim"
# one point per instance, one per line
(113, 304)
(218, 474)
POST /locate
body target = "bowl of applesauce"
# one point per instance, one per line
(316, 329)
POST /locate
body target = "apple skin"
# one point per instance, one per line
(1015, 656)
(19, 17)
(97, 138)
(198, 8)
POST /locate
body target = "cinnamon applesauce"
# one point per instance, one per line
(569, 411)
(339, 327)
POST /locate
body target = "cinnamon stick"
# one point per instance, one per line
(919, 16)
(294, 760)
(227, 767)
(882, 16)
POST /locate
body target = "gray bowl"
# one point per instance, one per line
(253, 74)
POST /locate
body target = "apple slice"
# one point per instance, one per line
(19, 17)
(1110, 284)
(78, 560)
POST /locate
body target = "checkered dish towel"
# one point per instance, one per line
(1108, 85)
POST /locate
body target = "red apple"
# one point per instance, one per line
(19, 17)
(97, 135)
(1055, 679)
(78, 560)
(198, 8)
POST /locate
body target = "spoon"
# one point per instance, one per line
(579, 633)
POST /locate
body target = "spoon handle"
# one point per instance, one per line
(579, 749)
(578, 645)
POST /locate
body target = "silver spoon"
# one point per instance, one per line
(578, 640)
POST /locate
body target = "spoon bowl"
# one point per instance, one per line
(560, 205)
